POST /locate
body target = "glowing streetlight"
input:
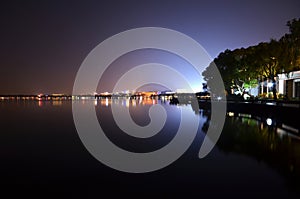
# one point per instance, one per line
(269, 121)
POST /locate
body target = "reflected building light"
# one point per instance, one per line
(133, 102)
(281, 132)
(117, 101)
(40, 103)
(287, 127)
(95, 102)
(269, 121)
(261, 126)
(57, 103)
(106, 101)
(270, 103)
(127, 103)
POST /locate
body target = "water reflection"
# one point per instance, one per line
(261, 139)
(280, 151)
(57, 103)
(126, 102)
(251, 156)
(139, 113)
(40, 103)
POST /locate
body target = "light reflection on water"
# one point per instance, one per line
(251, 154)
(243, 134)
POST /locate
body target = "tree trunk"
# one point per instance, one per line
(274, 90)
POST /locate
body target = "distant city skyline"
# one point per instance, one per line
(43, 43)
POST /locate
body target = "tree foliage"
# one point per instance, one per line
(235, 69)
(242, 68)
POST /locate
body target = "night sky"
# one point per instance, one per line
(43, 43)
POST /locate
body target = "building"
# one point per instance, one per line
(289, 84)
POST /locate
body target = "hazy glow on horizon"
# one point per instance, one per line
(155, 73)
(139, 57)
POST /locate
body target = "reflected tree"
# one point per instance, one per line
(264, 144)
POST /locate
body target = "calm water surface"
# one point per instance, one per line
(42, 155)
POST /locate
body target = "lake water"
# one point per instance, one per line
(42, 155)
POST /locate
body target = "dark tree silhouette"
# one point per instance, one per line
(266, 60)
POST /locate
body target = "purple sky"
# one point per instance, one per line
(43, 43)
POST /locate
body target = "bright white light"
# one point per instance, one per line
(231, 114)
(269, 121)
(270, 84)
(246, 96)
(237, 92)
(106, 101)
(219, 98)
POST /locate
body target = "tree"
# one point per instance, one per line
(234, 69)
(290, 42)
(246, 77)
(281, 56)
(267, 59)
(241, 68)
